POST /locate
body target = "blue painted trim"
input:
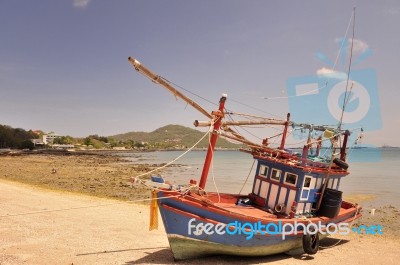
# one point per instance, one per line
(316, 182)
(268, 194)
(298, 195)
(259, 187)
(277, 195)
(254, 184)
(287, 198)
(258, 167)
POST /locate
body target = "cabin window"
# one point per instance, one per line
(307, 182)
(307, 185)
(291, 179)
(276, 174)
(263, 170)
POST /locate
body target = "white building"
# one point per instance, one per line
(49, 138)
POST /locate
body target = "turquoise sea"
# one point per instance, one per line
(231, 168)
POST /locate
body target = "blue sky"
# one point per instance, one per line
(64, 68)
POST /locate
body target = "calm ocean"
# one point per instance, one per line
(231, 168)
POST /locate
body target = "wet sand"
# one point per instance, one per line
(42, 226)
(101, 175)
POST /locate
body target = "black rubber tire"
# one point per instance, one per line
(311, 243)
(340, 163)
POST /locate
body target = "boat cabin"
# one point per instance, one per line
(280, 187)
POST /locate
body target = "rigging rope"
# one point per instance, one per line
(177, 158)
(85, 207)
(241, 127)
(190, 92)
(340, 240)
(212, 169)
(247, 176)
(348, 72)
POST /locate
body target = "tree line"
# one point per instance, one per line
(16, 137)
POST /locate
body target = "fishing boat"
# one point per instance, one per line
(295, 200)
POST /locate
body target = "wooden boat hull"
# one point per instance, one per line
(177, 213)
(185, 247)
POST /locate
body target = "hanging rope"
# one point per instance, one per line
(212, 167)
(174, 160)
(247, 176)
(340, 240)
(346, 94)
(85, 207)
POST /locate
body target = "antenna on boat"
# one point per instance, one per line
(346, 133)
(346, 96)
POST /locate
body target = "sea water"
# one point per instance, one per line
(230, 169)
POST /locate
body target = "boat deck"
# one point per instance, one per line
(246, 210)
(228, 202)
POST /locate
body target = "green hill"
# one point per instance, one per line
(172, 136)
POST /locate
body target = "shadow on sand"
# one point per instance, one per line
(164, 256)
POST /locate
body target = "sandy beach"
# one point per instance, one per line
(41, 224)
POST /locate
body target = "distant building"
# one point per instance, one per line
(49, 138)
(37, 142)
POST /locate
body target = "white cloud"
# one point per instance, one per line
(81, 3)
(358, 45)
(391, 11)
(329, 73)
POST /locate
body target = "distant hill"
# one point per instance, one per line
(172, 136)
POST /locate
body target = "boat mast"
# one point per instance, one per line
(285, 132)
(216, 116)
(213, 140)
(344, 146)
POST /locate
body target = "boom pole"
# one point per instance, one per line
(161, 81)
